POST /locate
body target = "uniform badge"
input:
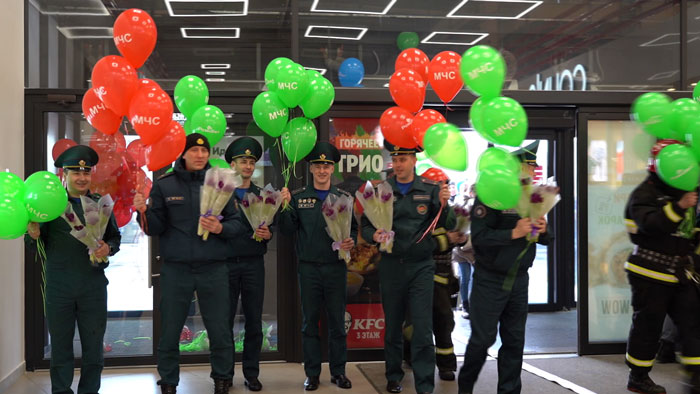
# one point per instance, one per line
(422, 209)
(480, 211)
(81, 163)
(247, 151)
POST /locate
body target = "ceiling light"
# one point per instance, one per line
(315, 8)
(86, 32)
(87, 7)
(360, 32)
(477, 37)
(534, 4)
(216, 66)
(321, 71)
(215, 80)
(671, 89)
(215, 72)
(226, 32)
(234, 11)
(693, 84)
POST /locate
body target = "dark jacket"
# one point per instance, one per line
(64, 253)
(491, 236)
(244, 245)
(173, 215)
(413, 214)
(652, 218)
(304, 218)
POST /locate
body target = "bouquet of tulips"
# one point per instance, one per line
(97, 214)
(536, 201)
(463, 218)
(379, 209)
(337, 212)
(260, 210)
(219, 185)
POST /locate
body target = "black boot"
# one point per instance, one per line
(642, 383)
(167, 388)
(666, 353)
(221, 386)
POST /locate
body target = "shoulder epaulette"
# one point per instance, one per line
(299, 190)
(343, 191)
(167, 174)
(429, 181)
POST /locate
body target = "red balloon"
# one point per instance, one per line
(103, 143)
(98, 115)
(166, 149)
(123, 212)
(395, 124)
(115, 83)
(435, 174)
(105, 187)
(137, 150)
(444, 75)
(150, 112)
(407, 88)
(108, 167)
(422, 121)
(148, 83)
(414, 59)
(135, 35)
(143, 183)
(60, 146)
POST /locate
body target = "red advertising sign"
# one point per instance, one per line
(365, 326)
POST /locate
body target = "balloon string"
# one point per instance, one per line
(433, 224)
(41, 255)
(447, 108)
(142, 217)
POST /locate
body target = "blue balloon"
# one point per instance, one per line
(351, 72)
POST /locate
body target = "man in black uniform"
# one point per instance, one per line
(660, 221)
(498, 238)
(76, 290)
(406, 275)
(247, 268)
(191, 264)
(322, 274)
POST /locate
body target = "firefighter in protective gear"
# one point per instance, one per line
(445, 289)
(660, 221)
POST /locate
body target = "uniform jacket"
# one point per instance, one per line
(244, 245)
(304, 217)
(173, 216)
(413, 214)
(652, 218)
(491, 236)
(64, 253)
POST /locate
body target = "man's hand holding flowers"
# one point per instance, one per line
(103, 250)
(211, 224)
(263, 232)
(522, 228)
(347, 244)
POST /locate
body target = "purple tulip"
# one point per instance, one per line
(368, 193)
(536, 198)
(70, 217)
(78, 227)
(386, 196)
(245, 203)
(270, 200)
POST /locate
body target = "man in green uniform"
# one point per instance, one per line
(76, 290)
(498, 238)
(406, 275)
(322, 275)
(191, 264)
(247, 268)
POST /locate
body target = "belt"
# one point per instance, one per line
(657, 257)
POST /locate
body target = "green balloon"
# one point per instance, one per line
(652, 112)
(270, 113)
(483, 70)
(505, 122)
(495, 156)
(45, 198)
(312, 74)
(11, 185)
(692, 136)
(498, 187)
(169, 170)
(291, 84)
(407, 39)
(444, 145)
(696, 92)
(677, 166)
(476, 113)
(13, 218)
(191, 93)
(684, 113)
(298, 139)
(217, 162)
(271, 71)
(319, 98)
(209, 121)
(188, 126)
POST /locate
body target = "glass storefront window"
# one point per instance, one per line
(617, 158)
(693, 43)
